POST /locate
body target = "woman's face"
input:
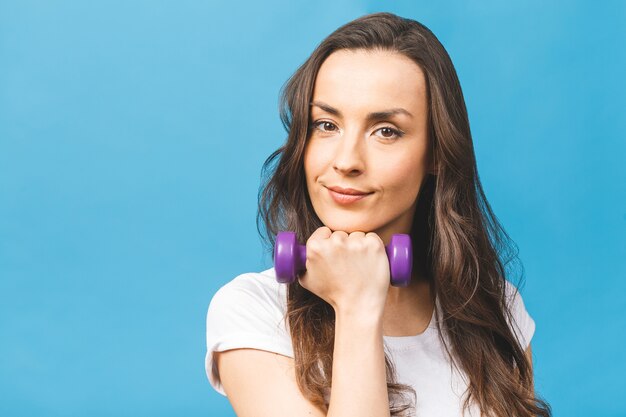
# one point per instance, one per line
(368, 132)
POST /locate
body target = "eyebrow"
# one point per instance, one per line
(378, 115)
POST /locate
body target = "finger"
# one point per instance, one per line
(320, 233)
(339, 236)
(315, 240)
(356, 235)
(374, 236)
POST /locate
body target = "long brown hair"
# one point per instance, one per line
(459, 245)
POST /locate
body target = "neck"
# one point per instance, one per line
(408, 310)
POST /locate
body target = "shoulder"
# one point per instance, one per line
(520, 321)
(252, 302)
(259, 289)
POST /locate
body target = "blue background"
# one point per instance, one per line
(132, 135)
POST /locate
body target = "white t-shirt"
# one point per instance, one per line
(248, 312)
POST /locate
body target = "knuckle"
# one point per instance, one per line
(338, 238)
(313, 247)
(373, 241)
(356, 236)
(324, 230)
(339, 234)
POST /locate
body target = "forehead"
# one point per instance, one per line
(355, 80)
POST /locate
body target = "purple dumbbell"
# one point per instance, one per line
(290, 258)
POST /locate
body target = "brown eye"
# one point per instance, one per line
(325, 126)
(328, 126)
(390, 133)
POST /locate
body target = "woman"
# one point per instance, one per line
(378, 144)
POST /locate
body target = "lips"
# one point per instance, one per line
(348, 191)
(344, 198)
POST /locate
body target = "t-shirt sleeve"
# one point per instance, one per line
(523, 324)
(243, 314)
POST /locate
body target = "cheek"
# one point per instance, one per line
(404, 177)
(313, 162)
(310, 172)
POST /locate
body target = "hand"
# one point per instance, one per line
(348, 271)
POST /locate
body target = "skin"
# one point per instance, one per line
(350, 151)
(346, 148)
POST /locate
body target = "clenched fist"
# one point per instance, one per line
(348, 271)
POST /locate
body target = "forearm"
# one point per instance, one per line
(359, 386)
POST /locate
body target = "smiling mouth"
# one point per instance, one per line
(344, 199)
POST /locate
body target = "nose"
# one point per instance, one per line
(349, 154)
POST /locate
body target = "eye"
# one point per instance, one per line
(325, 124)
(390, 133)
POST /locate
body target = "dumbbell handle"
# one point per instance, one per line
(290, 258)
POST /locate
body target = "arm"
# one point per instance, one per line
(263, 384)
(359, 384)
